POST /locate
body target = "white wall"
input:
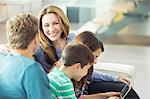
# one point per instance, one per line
(12, 7)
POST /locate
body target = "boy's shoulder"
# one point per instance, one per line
(58, 77)
(59, 83)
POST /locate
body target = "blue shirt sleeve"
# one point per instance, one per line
(35, 83)
(70, 37)
(97, 75)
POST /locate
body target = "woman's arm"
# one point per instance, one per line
(97, 75)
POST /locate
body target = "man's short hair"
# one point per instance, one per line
(21, 29)
(77, 53)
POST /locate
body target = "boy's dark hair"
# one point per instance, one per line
(21, 29)
(89, 39)
(77, 53)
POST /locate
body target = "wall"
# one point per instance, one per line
(12, 7)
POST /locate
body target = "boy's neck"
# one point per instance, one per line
(66, 70)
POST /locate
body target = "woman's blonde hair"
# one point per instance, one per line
(44, 40)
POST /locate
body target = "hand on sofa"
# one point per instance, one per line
(125, 80)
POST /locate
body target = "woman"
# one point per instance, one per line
(54, 35)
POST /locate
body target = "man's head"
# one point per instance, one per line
(21, 29)
(78, 56)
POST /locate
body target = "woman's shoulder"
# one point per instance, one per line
(39, 51)
(71, 37)
(39, 54)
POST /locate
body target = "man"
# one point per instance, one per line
(20, 76)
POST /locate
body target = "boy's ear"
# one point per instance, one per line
(77, 65)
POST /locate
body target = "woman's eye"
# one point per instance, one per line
(56, 23)
(46, 25)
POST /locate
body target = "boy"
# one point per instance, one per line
(76, 60)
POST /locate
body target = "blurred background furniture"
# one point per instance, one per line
(116, 69)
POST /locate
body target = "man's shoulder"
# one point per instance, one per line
(31, 64)
(16, 58)
(26, 61)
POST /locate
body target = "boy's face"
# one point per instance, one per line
(96, 54)
(81, 72)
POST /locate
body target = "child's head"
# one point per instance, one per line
(79, 57)
(89, 39)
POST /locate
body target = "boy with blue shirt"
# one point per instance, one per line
(20, 76)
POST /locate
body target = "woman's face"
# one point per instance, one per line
(51, 26)
(96, 54)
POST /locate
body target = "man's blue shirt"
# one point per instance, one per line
(22, 78)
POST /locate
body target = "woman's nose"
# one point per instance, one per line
(51, 28)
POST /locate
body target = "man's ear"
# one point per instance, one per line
(36, 39)
(35, 43)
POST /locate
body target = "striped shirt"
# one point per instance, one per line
(61, 85)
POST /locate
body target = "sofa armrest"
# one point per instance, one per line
(116, 69)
